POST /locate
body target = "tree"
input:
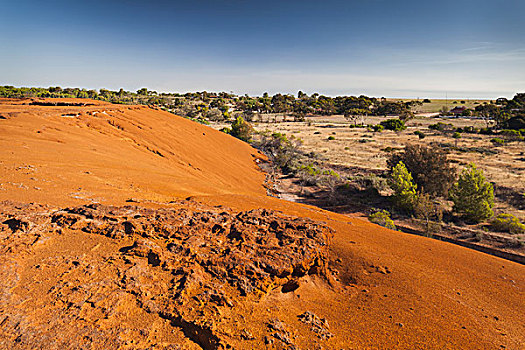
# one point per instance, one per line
(406, 115)
(241, 129)
(472, 195)
(430, 168)
(489, 113)
(404, 188)
(456, 136)
(394, 124)
(427, 211)
(353, 114)
(282, 151)
(382, 218)
(393, 108)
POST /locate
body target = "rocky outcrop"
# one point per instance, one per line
(189, 267)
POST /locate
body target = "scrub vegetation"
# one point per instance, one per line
(362, 155)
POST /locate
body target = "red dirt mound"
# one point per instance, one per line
(228, 267)
(112, 153)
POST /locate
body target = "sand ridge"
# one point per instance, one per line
(109, 153)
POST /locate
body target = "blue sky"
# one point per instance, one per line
(462, 48)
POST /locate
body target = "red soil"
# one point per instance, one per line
(72, 278)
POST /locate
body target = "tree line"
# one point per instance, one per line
(220, 106)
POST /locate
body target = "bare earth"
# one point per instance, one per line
(125, 227)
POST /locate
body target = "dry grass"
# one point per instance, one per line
(367, 151)
(435, 105)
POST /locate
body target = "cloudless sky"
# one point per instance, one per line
(405, 48)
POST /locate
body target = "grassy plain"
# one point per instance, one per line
(436, 105)
(358, 151)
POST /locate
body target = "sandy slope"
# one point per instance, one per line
(376, 288)
(110, 153)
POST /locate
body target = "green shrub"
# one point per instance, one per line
(308, 175)
(404, 188)
(428, 211)
(472, 195)
(513, 135)
(508, 223)
(466, 113)
(241, 129)
(439, 126)
(330, 172)
(282, 151)
(516, 123)
(468, 129)
(485, 131)
(420, 134)
(430, 168)
(309, 169)
(497, 141)
(393, 124)
(382, 218)
(456, 136)
(331, 138)
(378, 128)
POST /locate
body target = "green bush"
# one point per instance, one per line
(472, 195)
(420, 134)
(485, 131)
(308, 175)
(439, 126)
(382, 218)
(508, 223)
(428, 211)
(404, 188)
(282, 151)
(330, 172)
(331, 138)
(394, 124)
(241, 129)
(513, 135)
(378, 128)
(516, 123)
(469, 129)
(430, 168)
(309, 169)
(497, 141)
